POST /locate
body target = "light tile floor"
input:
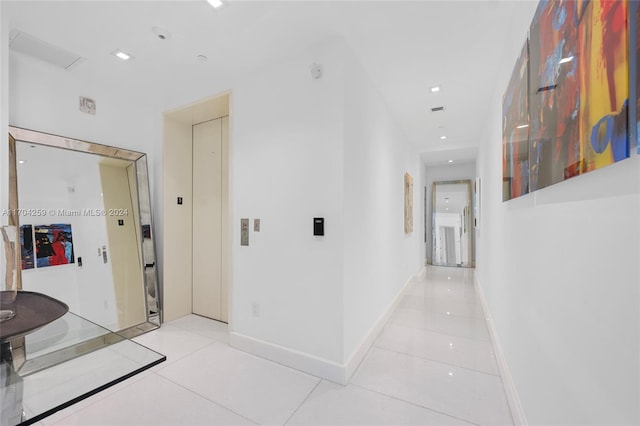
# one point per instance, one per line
(433, 364)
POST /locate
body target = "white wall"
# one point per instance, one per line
(379, 258)
(45, 98)
(286, 169)
(44, 180)
(304, 148)
(439, 174)
(559, 272)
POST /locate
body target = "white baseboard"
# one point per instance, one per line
(513, 399)
(319, 367)
(358, 355)
(299, 360)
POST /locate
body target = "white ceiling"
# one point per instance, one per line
(451, 198)
(405, 46)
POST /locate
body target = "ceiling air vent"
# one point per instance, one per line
(36, 48)
(436, 109)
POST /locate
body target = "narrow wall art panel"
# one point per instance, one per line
(579, 87)
(408, 203)
(515, 130)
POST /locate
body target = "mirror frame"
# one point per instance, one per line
(469, 224)
(150, 281)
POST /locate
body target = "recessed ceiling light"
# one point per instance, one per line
(450, 161)
(565, 60)
(21, 161)
(435, 89)
(217, 4)
(443, 137)
(121, 55)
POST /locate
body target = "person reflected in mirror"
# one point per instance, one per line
(59, 256)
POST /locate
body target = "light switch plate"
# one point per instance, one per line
(244, 232)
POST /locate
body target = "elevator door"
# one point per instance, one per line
(209, 167)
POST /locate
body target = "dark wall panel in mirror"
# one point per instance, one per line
(90, 241)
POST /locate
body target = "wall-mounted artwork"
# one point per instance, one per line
(579, 89)
(26, 247)
(54, 245)
(515, 130)
(578, 96)
(408, 203)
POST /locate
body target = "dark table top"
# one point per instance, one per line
(33, 311)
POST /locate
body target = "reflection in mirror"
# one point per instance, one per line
(85, 229)
(452, 230)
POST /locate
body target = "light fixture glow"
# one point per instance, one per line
(435, 89)
(565, 60)
(443, 137)
(450, 161)
(451, 373)
(21, 161)
(522, 126)
(215, 3)
(121, 55)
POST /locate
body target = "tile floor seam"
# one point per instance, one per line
(286, 422)
(173, 361)
(210, 400)
(90, 404)
(183, 330)
(444, 313)
(440, 332)
(490, 342)
(436, 361)
(414, 404)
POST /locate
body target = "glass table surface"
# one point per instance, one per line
(63, 363)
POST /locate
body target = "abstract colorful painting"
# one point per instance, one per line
(26, 247)
(54, 245)
(515, 130)
(579, 86)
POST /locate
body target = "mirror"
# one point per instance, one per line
(452, 224)
(85, 226)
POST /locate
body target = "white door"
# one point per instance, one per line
(209, 201)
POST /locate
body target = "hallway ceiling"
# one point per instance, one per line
(406, 47)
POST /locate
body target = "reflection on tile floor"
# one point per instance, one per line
(433, 364)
